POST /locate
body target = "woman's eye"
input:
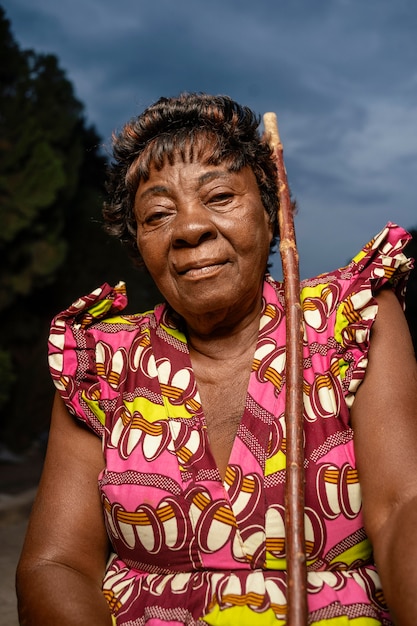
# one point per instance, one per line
(154, 217)
(221, 198)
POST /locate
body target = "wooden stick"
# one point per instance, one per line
(297, 611)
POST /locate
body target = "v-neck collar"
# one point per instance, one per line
(183, 404)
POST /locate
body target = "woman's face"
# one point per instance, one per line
(204, 236)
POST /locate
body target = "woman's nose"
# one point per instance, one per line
(193, 225)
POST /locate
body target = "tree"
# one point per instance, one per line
(41, 154)
(52, 245)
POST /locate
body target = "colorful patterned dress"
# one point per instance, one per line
(187, 547)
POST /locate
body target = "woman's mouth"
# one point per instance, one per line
(205, 270)
(201, 268)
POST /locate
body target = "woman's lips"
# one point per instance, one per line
(195, 272)
(200, 268)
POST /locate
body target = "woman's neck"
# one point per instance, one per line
(222, 341)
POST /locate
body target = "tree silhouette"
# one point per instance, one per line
(52, 244)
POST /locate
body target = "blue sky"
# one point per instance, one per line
(341, 75)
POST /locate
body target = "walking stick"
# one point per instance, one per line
(294, 487)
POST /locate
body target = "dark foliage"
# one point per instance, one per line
(52, 244)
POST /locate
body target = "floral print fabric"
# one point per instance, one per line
(189, 548)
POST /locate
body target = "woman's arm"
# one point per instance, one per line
(384, 418)
(61, 567)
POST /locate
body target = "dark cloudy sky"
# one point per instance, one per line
(340, 74)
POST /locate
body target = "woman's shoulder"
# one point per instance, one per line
(340, 307)
(380, 263)
(102, 311)
(94, 320)
(88, 347)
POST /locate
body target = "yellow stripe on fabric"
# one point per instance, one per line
(360, 552)
(117, 319)
(241, 616)
(174, 332)
(345, 621)
(94, 407)
(150, 411)
(275, 463)
(341, 323)
(274, 563)
(363, 253)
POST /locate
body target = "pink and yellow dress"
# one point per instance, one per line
(189, 548)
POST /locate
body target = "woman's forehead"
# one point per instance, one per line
(187, 146)
(199, 146)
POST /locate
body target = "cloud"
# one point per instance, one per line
(340, 74)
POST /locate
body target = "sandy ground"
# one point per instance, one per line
(18, 484)
(11, 539)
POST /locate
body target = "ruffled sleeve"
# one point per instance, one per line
(72, 352)
(382, 261)
(340, 306)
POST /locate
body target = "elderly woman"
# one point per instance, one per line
(162, 497)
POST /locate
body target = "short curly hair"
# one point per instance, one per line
(194, 126)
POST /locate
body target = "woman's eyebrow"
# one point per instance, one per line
(207, 176)
(154, 191)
